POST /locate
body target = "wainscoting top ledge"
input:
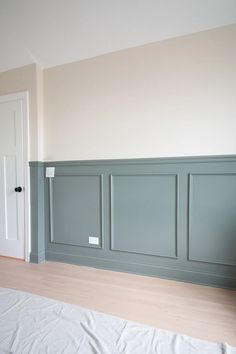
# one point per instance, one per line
(36, 163)
(137, 161)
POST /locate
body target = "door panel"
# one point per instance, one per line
(11, 176)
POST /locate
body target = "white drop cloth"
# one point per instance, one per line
(34, 324)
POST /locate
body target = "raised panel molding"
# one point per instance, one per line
(212, 218)
(76, 209)
(186, 229)
(144, 214)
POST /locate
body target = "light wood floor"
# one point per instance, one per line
(199, 311)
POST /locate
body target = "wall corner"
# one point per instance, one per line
(37, 253)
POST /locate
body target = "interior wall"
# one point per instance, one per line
(40, 112)
(171, 98)
(28, 78)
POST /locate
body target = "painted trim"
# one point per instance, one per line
(37, 180)
(145, 161)
(24, 97)
(37, 258)
(176, 274)
(51, 210)
(36, 164)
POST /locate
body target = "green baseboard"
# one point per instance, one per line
(147, 270)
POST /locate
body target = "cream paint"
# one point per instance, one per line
(40, 120)
(171, 98)
(28, 78)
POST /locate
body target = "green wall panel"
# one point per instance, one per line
(173, 218)
(144, 214)
(212, 218)
(76, 209)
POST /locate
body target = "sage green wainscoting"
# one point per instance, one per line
(37, 212)
(166, 217)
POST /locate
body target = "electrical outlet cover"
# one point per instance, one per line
(50, 172)
(93, 240)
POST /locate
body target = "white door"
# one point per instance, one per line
(12, 194)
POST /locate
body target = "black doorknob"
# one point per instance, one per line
(18, 189)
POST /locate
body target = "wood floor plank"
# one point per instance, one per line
(199, 311)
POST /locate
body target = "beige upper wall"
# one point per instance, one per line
(40, 112)
(28, 78)
(172, 98)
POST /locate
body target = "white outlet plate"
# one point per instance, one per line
(50, 172)
(93, 240)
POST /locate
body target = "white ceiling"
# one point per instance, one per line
(54, 32)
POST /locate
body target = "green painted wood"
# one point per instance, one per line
(149, 224)
(146, 161)
(37, 254)
(212, 218)
(185, 275)
(144, 214)
(76, 209)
